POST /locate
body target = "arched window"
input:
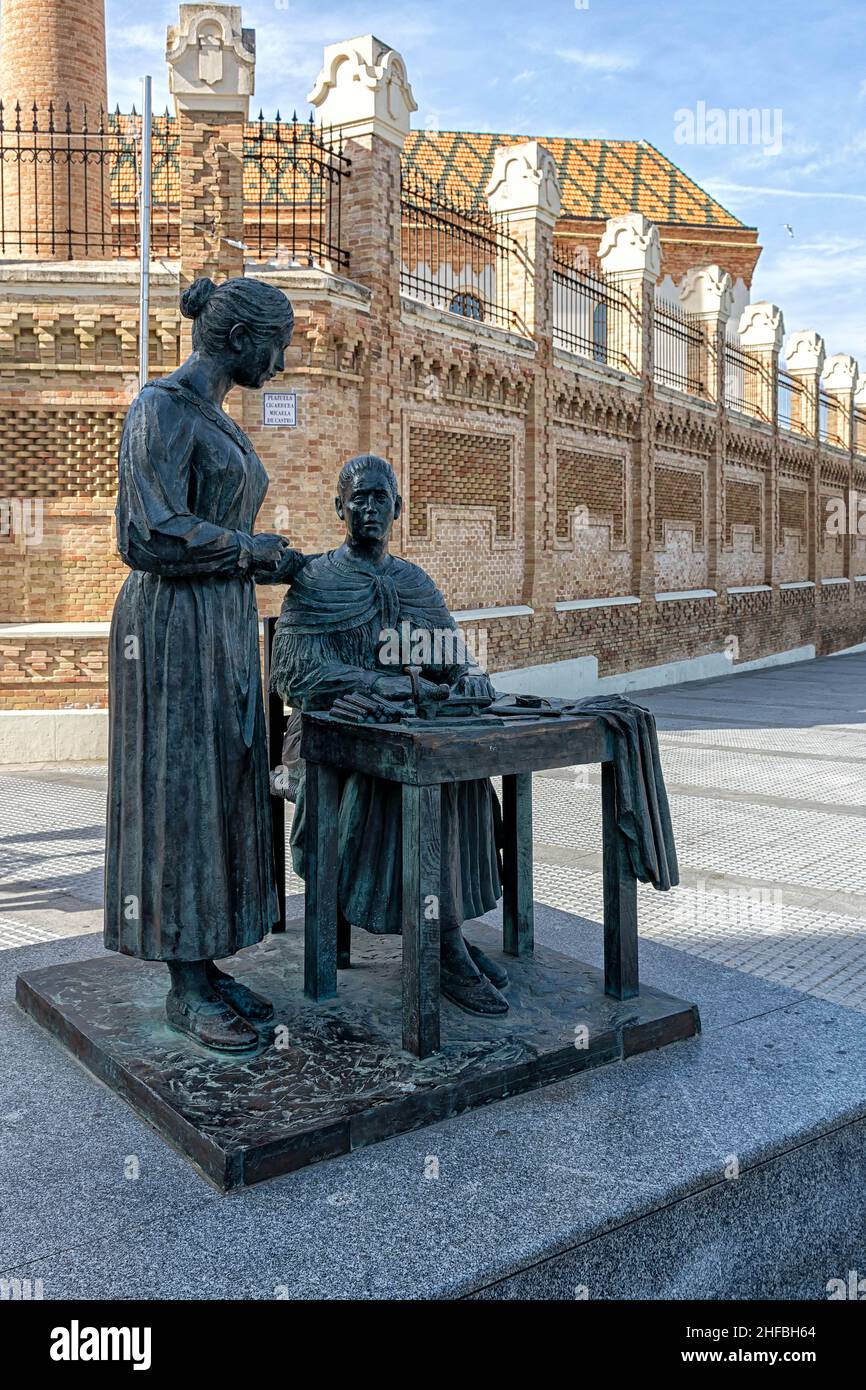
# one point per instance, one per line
(467, 304)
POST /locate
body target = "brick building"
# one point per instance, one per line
(604, 463)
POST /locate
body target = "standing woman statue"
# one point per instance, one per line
(189, 862)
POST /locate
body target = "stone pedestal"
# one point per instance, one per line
(332, 1077)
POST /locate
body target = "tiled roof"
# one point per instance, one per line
(600, 178)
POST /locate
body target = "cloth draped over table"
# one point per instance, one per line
(328, 642)
(189, 859)
(642, 811)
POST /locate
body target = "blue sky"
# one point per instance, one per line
(618, 69)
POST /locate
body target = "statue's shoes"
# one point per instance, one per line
(476, 996)
(212, 1023)
(244, 1001)
(496, 974)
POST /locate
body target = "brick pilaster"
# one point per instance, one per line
(630, 258)
(840, 380)
(369, 109)
(805, 361)
(524, 196)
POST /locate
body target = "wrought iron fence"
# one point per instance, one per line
(792, 403)
(575, 256)
(680, 349)
(69, 184)
(746, 381)
(125, 149)
(830, 420)
(293, 192)
(455, 254)
(591, 317)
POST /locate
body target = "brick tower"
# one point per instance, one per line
(52, 51)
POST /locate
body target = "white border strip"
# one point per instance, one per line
(471, 615)
(571, 605)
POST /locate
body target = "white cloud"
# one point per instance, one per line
(596, 60)
(150, 37)
(762, 191)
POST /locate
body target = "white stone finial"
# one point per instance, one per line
(707, 292)
(525, 180)
(860, 396)
(630, 246)
(762, 326)
(211, 59)
(364, 89)
(841, 374)
(804, 353)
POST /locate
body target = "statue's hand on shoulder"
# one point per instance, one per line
(274, 561)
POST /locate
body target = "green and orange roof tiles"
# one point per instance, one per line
(599, 178)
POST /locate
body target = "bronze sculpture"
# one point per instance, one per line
(329, 647)
(189, 864)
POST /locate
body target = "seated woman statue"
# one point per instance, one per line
(332, 641)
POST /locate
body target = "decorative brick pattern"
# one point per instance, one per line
(679, 500)
(53, 673)
(793, 515)
(50, 454)
(596, 482)
(744, 507)
(450, 468)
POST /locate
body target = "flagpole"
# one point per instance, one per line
(144, 223)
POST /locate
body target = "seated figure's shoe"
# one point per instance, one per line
(496, 974)
(244, 1001)
(475, 994)
(211, 1022)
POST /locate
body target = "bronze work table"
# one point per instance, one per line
(421, 756)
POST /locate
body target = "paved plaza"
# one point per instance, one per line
(616, 1180)
(767, 777)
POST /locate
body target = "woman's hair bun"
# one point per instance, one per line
(193, 300)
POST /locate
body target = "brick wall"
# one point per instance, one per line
(531, 477)
(459, 420)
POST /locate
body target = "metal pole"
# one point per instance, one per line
(144, 223)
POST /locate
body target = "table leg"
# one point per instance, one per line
(320, 870)
(620, 900)
(518, 920)
(276, 728)
(421, 926)
(278, 834)
(344, 940)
